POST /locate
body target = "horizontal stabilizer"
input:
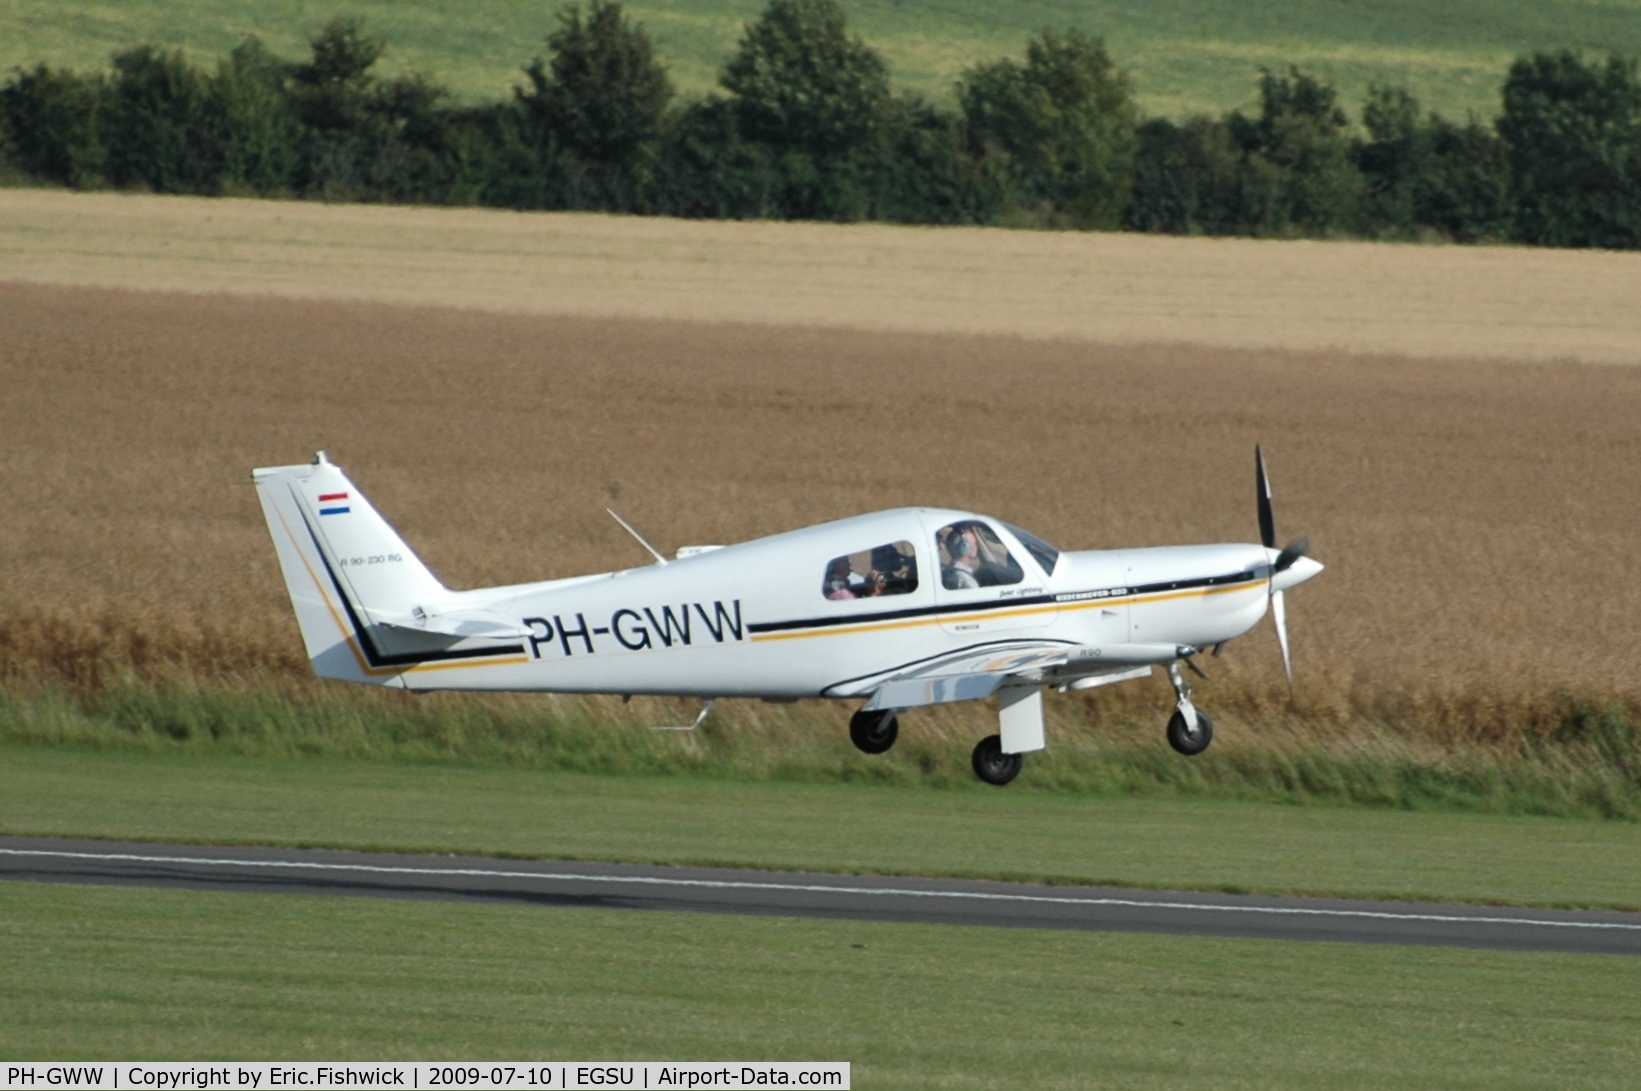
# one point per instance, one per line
(455, 623)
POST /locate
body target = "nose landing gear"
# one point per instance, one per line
(1186, 739)
(1189, 731)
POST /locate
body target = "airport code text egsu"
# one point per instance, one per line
(690, 624)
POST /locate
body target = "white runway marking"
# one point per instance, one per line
(813, 888)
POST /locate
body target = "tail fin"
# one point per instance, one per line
(362, 598)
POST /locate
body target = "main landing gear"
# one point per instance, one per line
(874, 732)
(992, 765)
(1189, 731)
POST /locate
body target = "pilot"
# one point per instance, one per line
(963, 547)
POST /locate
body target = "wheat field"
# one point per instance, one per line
(1476, 517)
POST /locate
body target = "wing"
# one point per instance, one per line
(967, 676)
(980, 672)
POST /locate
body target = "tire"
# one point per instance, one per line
(992, 765)
(874, 732)
(1186, 741)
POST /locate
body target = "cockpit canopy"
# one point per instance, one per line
(968, 552)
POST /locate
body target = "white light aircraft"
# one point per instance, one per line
(900, 609)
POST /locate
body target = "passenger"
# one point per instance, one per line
(836, 584)
(891, 572)
(962, 545)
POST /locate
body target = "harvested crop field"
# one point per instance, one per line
(1433, 301)
(1477, 518)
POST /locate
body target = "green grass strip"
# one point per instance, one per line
(97, 972)
(837, 827)
(1589, 766)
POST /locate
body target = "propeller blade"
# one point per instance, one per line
(1279, 614)
(1267, 521)
(1284, 560)
(1291, 553)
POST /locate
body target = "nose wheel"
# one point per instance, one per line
(1189, 740)
(874, 732)
(1189, 730)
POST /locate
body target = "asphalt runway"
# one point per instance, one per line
(850, 897)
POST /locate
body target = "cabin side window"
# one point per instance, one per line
(971, 555)
(872, 573)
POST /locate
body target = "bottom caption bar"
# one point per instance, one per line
(421, 1076)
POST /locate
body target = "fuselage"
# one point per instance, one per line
(833, 609)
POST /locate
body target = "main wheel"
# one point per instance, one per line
(874, 732)
(1188, 742)
(992, 765)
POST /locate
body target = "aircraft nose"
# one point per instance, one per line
(1301, 570)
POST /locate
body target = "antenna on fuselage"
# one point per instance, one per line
(639, 537)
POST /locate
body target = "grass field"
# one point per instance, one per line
(97, 973)
(1185, 54)
(972, 832)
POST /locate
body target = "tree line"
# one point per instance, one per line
(805, 124)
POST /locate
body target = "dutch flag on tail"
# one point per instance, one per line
(333, 503)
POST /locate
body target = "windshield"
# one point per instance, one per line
(1046, 555)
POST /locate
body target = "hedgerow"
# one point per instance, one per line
(808, 125)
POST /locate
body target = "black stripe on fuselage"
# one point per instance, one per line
(1158, 588)
(374, 656)
(1005, 604)
(894, 615)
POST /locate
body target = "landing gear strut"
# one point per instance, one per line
(874, 732)
(992, 765)
(1189, 731)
